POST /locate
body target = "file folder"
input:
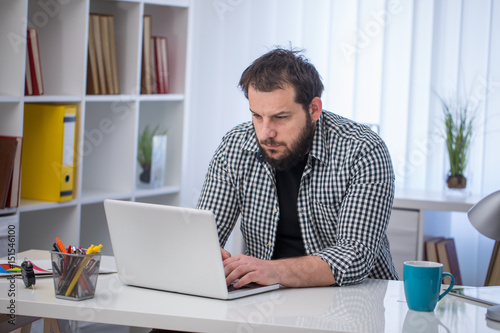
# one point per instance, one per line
(49, 135)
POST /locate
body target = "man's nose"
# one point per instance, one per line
(268, 130)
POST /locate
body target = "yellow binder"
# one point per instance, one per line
(47, 171)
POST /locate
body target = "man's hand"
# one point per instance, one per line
(225, 254)
(305, 271)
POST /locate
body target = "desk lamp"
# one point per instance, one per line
(485, 217)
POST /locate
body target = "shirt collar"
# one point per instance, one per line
(319, 149)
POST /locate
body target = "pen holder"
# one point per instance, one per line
(75, 275)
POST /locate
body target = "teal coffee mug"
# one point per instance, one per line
(422, 281)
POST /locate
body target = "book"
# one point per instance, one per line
(431, 250)
(8, 149)
(493, 274)
(92, 70)
(147, 64)
(158, 64)
(106, 53)
(102, 72)
(164, 73)
(112, 48)
(48, 152)
(15, 181)
(99, 52)
(447, 255)
(35, 63)
(28, 82)
(30, 65)
(161, 64)
(153, 69)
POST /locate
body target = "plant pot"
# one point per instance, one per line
(456, 182)
(145, 175)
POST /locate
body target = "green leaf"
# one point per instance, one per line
(458, 119)
(145, 145)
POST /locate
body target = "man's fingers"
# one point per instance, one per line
(225, 254)
(235, 268)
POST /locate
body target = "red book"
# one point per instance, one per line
(159, 65)
(35, 63)
(447, 255)
(164, 65)
(30, 69)
(28, 83)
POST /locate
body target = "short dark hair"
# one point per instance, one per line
(279, 67)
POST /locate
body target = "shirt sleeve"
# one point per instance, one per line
(219, 196)
(363, 217)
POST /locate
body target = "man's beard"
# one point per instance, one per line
(296, 153)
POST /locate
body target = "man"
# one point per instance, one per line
(314, 190)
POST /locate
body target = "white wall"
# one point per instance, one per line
(380, 61)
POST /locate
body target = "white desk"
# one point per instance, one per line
(373, 306)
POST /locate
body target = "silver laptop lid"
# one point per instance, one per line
(166, 248)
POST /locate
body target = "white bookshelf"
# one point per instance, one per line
(107, 125)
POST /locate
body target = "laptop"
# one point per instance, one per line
(170, 248)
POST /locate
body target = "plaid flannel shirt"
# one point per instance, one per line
(344, 202)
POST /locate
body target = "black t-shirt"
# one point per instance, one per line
(288, 236)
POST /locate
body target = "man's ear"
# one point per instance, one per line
(315, 108)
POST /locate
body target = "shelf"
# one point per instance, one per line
(107, 125)
(52, 99)
(92, 196)
(173, 3)
(28, 205)
(110, 98)
(426, 200)
(10, 99)
(142, 192)
(162, 97)
(7, 211)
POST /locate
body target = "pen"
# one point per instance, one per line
(92, 249)
(55, 266)
(65, 280)
(60, 246)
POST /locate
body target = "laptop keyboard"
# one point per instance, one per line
(230, 288)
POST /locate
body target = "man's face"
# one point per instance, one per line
(284, 129)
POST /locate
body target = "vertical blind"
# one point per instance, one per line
(382, 62)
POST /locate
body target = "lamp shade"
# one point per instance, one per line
(485, 216)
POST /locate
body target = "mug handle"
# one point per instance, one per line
(452, 284)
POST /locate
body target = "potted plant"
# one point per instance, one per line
(145, 152)
(458, 117)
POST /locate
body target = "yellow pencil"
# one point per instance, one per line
(91, 249)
